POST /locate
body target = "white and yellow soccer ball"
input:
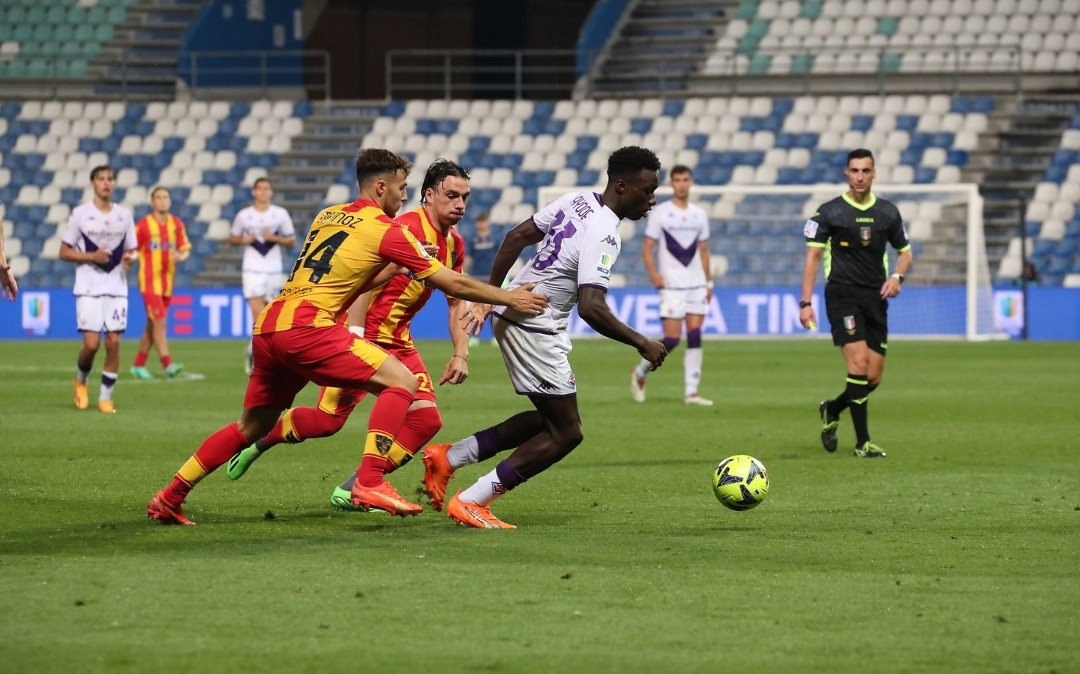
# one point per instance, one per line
(740, 482)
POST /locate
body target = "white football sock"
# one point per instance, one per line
(692, 371)
(485, 490)
(463, 453)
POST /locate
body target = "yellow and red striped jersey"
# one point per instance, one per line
(347, 246)
(390, 314)
(158, 244)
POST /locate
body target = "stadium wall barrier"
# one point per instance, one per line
(1053, 313)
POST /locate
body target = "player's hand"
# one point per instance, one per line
(457, 371)
(248, 239)
(891, 288)
(129, 259)
(9, 288)
(807, 318)
(474, 317)
(431, 249)
(101, 256)
(653, 351)
(527, 302)
(657, 281)
(183, 255)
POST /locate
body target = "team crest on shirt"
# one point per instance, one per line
(809, 229)
(849, 324)
(604, 266)
(864, 234)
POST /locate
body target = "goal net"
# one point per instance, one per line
(757, 250)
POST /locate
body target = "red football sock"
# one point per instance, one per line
(166, 361)
(214, 451)
(387, 416)
(140, 359)
(420, 426)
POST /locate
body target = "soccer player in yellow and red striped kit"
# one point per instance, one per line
(384, 316)
(163, 242)
(301, 335)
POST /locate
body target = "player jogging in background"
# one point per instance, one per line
(163, 242)
(579, 243)
(851, 232)
(384, 316)
(301, 335)
(100, 240)
(680, 230)
(264, 229)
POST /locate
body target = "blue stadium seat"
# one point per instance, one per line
(862, 122)
(543, 109)
(393, 110)
(303, 109)
(907, 122)
(925, 175)
(673, 108)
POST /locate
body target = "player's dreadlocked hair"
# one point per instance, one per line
(440, 170)
(374, 162)
(631, 160)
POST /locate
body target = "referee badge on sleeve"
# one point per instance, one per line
(809, 229)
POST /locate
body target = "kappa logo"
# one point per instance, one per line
(611, 240)
(545, 386)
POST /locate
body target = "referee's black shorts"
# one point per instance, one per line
(857, 314)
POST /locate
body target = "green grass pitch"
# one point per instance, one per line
(960, 552)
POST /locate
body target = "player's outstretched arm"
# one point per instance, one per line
(594, 310)
(468, 288)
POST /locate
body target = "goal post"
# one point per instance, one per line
(757, 243)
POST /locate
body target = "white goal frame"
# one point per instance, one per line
(978, 319)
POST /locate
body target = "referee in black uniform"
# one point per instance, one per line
(850, 232)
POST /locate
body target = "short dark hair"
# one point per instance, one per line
(372, 162)
(440, 170)
(860, 153)
(679, 169)
(157, 189)
(630, 160)
(259, 180)
(98, 169)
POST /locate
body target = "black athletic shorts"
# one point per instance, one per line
(857, 314)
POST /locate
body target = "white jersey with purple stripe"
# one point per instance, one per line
(580, 245)
(679, 231)
(260, 255)
(88, 230)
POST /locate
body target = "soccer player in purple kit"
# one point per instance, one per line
(100, 240)
(680, 231)
(579, 243)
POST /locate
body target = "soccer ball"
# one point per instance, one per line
(740, 482)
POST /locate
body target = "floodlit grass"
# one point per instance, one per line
(960, 552)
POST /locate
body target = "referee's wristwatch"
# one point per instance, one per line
(899, 277)
(803, 304)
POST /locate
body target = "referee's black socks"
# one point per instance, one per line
(857, 392)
